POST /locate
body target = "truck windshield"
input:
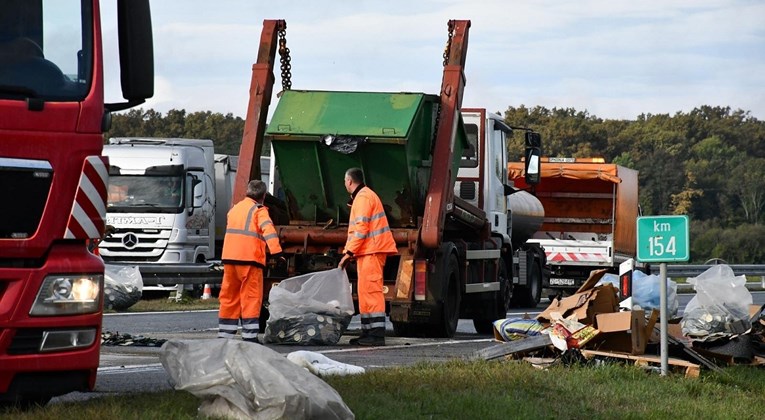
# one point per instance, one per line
(46, 49)
(145, 194)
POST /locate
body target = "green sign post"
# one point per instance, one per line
(662, 239)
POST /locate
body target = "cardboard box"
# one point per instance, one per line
(626, 331)
(754, 310)
(585, 305)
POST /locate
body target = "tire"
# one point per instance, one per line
(450, 308)
(503, 299)
(530, 295)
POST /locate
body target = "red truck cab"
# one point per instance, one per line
(53, 184)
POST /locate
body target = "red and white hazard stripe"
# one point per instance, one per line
(559, 257)
(86, 220)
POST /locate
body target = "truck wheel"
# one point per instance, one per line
(529, 296)
(503, 299)
(450, 314)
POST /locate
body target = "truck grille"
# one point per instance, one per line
(26, 341)
(27, 183)
(134, 245)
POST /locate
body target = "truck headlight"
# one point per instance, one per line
(68, 295)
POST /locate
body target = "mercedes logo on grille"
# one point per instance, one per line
(130, 240)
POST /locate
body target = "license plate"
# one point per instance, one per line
(562, 282)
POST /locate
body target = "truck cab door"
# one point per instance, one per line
(495, 165)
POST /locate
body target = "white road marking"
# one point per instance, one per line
(151, 367)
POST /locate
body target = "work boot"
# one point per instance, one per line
(355, 341)
(375, 338)
(251, 340)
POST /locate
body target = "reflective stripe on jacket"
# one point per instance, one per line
(368, 230)
(248, 231)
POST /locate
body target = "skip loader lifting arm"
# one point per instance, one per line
(261, 87)
(441, 191)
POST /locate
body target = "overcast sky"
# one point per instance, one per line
(615, 59)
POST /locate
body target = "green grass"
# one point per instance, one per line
(488, 390)
(164, 304)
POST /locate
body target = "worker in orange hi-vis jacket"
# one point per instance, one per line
(248, 231)
(369, 242)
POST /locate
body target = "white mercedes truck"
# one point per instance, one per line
(161, 206)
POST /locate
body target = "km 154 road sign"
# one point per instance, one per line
(662, 238)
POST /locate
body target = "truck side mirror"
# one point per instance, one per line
(533, 153)
(194, 193)
(532, 165)
(136, 49)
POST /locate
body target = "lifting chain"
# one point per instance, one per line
(448, 48)
(284, 60)
(437, 119)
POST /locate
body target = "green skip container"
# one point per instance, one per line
(317, 135)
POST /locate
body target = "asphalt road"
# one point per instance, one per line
(131, 368)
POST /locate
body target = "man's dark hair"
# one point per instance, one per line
(356, 175)
(256, 190)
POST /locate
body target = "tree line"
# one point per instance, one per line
(224, 130)
(708, 163)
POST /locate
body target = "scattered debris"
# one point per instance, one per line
(109, 338)
(123, 286)
(513, 347)
(719, 308)
(593, 325)
(691, 370)
(321, 365)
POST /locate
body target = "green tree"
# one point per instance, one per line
(747, 186)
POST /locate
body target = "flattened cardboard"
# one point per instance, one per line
(626, 331)
(676, 330)
(404, 283)
(753, 310)
(591, 281)
(585, 305)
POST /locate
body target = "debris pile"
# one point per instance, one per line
(109, 338)
(720, 327)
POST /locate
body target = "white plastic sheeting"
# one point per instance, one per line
(321, 365)
(241, 380)
(123, 286)
(720, 307)
(310, 309)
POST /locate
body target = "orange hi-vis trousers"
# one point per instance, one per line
(241, 296)
(370, 290)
